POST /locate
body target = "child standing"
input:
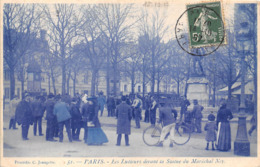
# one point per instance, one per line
(211, 128)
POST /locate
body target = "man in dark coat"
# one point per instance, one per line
(184, 105)
(75, 119)
(147, 108)
(50, 117)
(23, 116)
(197, 115)
(153, 109)
(111, 105)
(61, 110)
(124, 115)
(37, 111)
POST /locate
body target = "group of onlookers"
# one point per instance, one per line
(82, 112)
(73, 113)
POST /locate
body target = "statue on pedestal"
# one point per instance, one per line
(197, 69)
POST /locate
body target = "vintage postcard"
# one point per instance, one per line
(129, 83)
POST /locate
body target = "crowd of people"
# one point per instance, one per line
(83, 112)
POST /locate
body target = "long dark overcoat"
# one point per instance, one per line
(124, 115)
(23, 113)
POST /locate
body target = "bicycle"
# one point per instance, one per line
(151, 134)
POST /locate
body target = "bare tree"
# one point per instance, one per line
(228, 61)
(93, 47)
(21, 23)
(62, 31)
(178, 64)
(115, 26)
(144, 67)
(153, 28)
(131, 64)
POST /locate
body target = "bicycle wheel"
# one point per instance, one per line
(151, 135)
(182, 135)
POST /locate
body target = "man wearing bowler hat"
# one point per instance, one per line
(23, 115)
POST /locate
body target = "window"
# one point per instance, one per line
(30, 76)
(86, 77)
(7, 93)
(18, 93)
(125, 88)
(139, 88)
(42, 78)
(7, 75)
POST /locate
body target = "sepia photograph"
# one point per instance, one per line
(124, 83)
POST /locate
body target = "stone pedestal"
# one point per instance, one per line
(198, 89)
(241, 144)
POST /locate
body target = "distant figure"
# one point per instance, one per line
(211, 128)
(50, 117)
(137, 105)
(224, 131)
(101, 103)
(111, 104)
(168, 118)
(124, 115)
(153, 109)
(147, 109)
(75, 119)
(23, 115)
(184, 105)
(13, 104)
(197, 115)
(61, 110)
(38, 109)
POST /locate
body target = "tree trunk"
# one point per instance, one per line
(63, 91)
(115, 79)
(12, 83)
(22, 83)
(153, 74)
(53, 82)
(229, 91)
(68, 82)
(97, 82)
(108, 75)
(144, 90)
(74, 84)
(178, 88)
(49, 83)
(158, 83)
(133, 83)
(93, 82)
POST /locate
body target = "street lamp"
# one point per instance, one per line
(242, 144)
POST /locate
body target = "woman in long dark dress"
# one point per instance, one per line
(96, 135)
(224, 132)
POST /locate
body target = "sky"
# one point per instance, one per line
(171, 13)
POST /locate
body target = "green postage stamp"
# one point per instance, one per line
(205, 22)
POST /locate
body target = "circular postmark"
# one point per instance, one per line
(200, 30)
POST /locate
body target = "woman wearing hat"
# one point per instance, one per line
(224, 132)
(94, 135)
